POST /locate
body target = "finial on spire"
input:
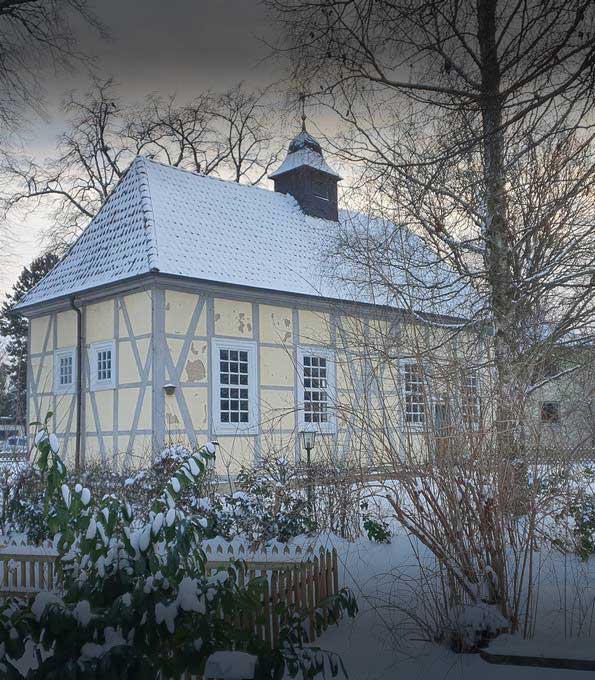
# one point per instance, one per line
(303, 101)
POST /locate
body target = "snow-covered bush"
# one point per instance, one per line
(136, 602)
(576, 520)
(472, 626)
(25, 490)
(143, 486)
(269, 504)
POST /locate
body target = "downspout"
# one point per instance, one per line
(79, 383)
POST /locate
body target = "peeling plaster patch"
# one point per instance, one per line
(243, 324)
(287, 336)
(167, 307)
(217, 317)
(195, 370)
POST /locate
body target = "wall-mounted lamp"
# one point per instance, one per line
(170, 388)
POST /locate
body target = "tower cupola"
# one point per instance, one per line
(308, 178)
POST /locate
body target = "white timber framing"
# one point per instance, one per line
(161, 366)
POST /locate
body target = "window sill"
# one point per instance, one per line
(319, 428)
(98, 387)
(64, 390)
(239, 429)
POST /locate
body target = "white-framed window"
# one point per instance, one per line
(64, 370)
(235, 386)
(414, 393)
(471, 398)
(317, 389)
(102, 365)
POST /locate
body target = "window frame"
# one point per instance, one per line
(250, 346)
(426, 402)
(558, 412)
(59, 354)
(471, 396)
(321, 184)
(94, 349)
(330, 427)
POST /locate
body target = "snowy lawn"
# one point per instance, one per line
(382, 644)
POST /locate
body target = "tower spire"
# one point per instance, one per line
(303, 103)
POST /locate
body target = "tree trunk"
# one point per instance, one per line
(499, 256)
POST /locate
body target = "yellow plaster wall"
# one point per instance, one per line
(197, 401)
(277, 410)
(42, 369)
(66, 329)
(139, 309)
(105, 409)
(276, 366)
(127, 369)
(38, 330)
(233, 453)
(233, 318)
(179, 308)
(100, 321)
(65, 407)
(314, 328)
(127, 401)
(44, 405)
(173, 416)
(276, 324)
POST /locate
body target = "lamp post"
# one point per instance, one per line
(308, 440)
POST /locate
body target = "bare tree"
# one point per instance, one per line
(473, 123)
(92, 156)
(228, 135)
(33, 35)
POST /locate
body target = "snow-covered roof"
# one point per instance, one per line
(304, 157)
(167, 220)
(304, 150)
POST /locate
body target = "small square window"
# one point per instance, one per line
(64, 370)
(550, 412)
(102, 365)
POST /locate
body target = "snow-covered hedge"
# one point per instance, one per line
(136, 600)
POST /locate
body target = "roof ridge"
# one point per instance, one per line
(148, 214)
(214, 178)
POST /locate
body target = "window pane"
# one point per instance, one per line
(413, 392)
(315, 389)
(550, 411)
(471, 398)
(104, 364)
(233, 370)
(65, 370)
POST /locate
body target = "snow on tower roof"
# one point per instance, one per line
(304, 150)
(171, 221)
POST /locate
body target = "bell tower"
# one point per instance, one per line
(308, 178)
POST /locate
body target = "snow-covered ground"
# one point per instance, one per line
(382, 644)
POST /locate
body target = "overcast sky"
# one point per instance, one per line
(156, 46)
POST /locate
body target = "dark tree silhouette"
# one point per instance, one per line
(14, 328)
